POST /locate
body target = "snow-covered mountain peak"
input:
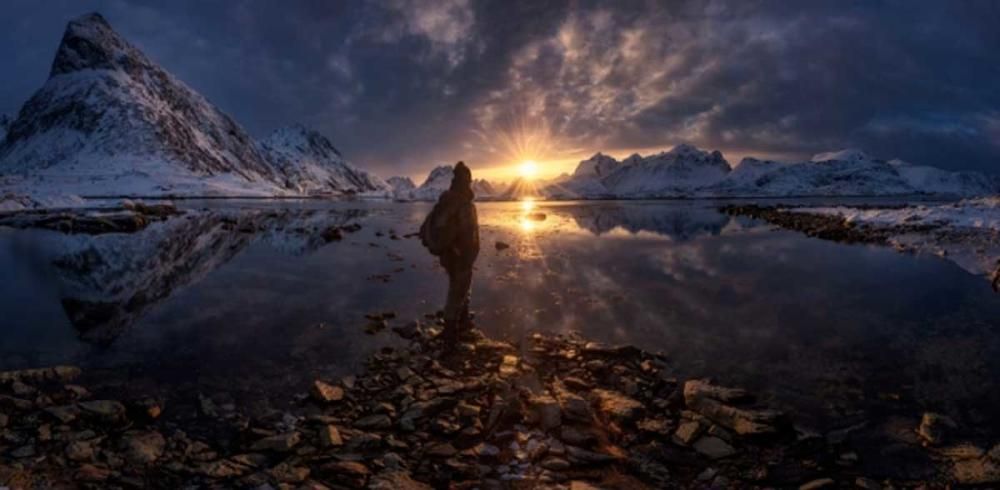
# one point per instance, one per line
(441, 175)
(846, 155)
(400, 185)
(686, 153)
(89, 43)
(598, 165)
(111, 122)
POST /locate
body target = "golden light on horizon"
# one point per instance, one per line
(528, 170)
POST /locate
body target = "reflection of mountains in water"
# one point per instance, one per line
(679, 223)
(108, 281)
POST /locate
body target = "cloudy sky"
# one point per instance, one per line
(403, 85)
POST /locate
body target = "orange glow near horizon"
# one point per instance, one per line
(528, 170)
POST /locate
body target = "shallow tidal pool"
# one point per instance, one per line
(253, 294)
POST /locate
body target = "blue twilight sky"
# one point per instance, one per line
(402, 85)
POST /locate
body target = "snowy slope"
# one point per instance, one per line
(310, 164)
(966, 232)
(687, 171)
(401, 186)
(843, 173)
(110, 121)
(933, 180)
(677, 172)
(599, 165)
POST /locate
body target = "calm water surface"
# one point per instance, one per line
(238, 290)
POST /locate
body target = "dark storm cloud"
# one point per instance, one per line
(403, 84)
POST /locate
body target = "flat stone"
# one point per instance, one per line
(573, 406)
(396, 480)
(445, 450)
(143, 447)
(26, 451)
(279, 443)
(743, 422)
(713, 447)
(544, 411)
(109, 410)
(329, 436)
(325, 392)
(576, 436)
(687, 432)
(351, 473)
(584, 456)
(976, 471)
(555, 464)
(699, 388)
(817, 484)
(935, 428)
(287, 473)
(867, 483)
(91, 473)
(80, 451)
(616, 406)
(63, 413)
(377, 421)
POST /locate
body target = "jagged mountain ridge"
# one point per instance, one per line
(439, 180)
(109, 121)
(401, 185)
(686, 171)
(310, 164)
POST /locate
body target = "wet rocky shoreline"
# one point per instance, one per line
(555, 412)
(936, 238)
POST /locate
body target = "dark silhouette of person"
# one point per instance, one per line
(451, 231)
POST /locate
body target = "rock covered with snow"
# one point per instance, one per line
(310, 164)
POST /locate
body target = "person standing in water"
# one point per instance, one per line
(451, 232)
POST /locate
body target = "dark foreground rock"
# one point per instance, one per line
(557, 413)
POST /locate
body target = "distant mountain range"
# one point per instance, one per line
(110, 122)
(688, 172)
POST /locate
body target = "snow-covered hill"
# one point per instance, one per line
(936, 181)
(687, 171)
(310, 164)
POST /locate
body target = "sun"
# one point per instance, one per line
(528, 169)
